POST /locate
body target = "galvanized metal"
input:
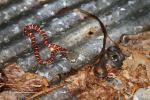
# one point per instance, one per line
(67, 29)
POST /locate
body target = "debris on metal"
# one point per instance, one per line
(83, 39)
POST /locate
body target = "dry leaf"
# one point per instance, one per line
(7, 95)
(12, 72)
(30, 83)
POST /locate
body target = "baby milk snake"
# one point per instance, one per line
(54, 48)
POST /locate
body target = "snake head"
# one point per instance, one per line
(114, 57)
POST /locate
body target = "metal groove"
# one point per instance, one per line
(6, 3)
(41, 14)
(17, 9)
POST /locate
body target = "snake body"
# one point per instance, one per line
(54, 48)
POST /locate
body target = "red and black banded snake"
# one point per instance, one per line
(54, 48)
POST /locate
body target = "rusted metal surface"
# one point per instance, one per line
(67, 29)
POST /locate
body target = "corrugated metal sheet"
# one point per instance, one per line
(67, 29)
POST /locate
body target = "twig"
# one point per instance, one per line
(24, 92)
(7, 84)
(46, 90)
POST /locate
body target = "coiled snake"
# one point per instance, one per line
(54, 48)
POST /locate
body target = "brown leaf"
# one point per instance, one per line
(7, 95)
(138, 46)
(86, 86)
(12, 72)
(30, 83)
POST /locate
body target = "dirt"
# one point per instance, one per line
(123, 83)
